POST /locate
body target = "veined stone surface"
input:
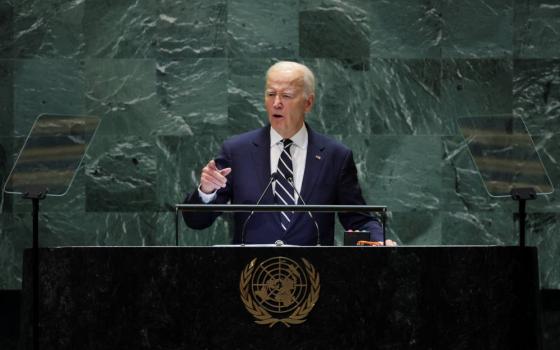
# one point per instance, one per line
(172, 79)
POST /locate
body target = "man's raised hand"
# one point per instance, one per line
(212, 178)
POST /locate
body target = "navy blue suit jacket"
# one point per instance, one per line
(330, 178)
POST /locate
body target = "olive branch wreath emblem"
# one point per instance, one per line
(263, 316)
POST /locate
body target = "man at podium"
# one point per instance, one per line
(285, 162)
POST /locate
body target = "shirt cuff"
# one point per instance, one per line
(206, 197)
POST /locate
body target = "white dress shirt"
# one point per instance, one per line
(298, 151)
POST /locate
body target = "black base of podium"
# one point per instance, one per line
(375, 298)
(10, 301)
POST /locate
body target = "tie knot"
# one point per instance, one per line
(287, 143)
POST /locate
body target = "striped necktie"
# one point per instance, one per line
(284, 190)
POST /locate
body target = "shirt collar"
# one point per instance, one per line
(300, 138)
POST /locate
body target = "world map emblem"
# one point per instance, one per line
(279, 290)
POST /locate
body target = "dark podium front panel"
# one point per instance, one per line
(285, 298)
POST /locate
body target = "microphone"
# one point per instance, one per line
(291, 181)
(270, 181)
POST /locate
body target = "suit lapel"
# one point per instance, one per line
(314, 163)
(261, 158)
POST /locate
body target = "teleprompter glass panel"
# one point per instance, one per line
(51, 154)
(504, 154)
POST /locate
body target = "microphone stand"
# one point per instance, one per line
(270, 181)
(291, 181)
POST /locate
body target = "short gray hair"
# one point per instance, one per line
(308, 76)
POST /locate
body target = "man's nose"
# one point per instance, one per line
(277, 102)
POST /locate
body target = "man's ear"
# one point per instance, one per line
(309, 102)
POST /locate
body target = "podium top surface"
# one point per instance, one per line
(277, 208)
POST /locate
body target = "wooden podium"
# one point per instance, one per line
(284, 298)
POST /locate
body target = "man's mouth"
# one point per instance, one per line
(277, 116)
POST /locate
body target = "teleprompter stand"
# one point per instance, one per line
(46, 166)
(522, 195)
(35, 198)
(507, 161)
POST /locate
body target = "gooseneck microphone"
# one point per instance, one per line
(270, 181)
(291, 181)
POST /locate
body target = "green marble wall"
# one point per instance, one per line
(172, 78)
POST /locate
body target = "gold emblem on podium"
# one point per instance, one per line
(279, 290)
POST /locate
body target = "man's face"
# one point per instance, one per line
(285, 101)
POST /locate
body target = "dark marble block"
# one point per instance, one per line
(477, 29)
(334, 29)
(47, 29)
(377, 298)
(536, 94)
(6, 96)
(415, 32)
(6, 29)
(536, 24)
(256, 29)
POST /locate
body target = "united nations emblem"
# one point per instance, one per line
(279, 290)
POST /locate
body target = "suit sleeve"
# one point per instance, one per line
(350, 193)
(202, 220)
